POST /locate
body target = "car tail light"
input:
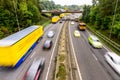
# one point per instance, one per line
(24, 77)
(37, 74)
(43, 46)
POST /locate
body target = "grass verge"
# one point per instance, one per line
(62, 57)
(46, 23)
(62, 72)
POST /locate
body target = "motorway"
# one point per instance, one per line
(91, 61)
(17, 74)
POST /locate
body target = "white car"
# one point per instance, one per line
(72, 22)
(114, 60)
(76, 33)
(50, 34)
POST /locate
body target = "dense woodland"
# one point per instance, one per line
(28, 13)
(101, 16)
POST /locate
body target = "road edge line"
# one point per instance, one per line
(79, 73)
(52, 54)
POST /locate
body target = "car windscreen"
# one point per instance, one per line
(117, 61)
(77, 32)
(51, 32)
(47, 43)
(96, 40)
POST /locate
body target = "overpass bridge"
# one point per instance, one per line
(57, 12)
(61, 12)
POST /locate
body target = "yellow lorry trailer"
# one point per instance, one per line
(55, 19)
(62, 15)
(15, 48)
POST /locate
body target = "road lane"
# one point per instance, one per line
(53, 52)
(74, 55)
(90, 68)
(99, 53)
(17, 74)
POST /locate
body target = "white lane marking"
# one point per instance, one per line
(95, 57)
(88, 32)
(106, 48)
(52, 56)
(80, 77)
(33, 54)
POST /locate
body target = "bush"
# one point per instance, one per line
(4, 30)
(116, 29)
(62, 72)
(1, 34)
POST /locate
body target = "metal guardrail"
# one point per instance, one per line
(110, 42)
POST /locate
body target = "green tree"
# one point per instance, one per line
(86, 16)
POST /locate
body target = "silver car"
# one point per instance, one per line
(51, 34)
(35, 70)
(47, 44)
(114, 61)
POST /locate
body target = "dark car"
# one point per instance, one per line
(60, 22)
(47, 44)
(35, 70)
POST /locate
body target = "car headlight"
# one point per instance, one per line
(99, 45)
(95, 45)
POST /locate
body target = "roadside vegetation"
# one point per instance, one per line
(62, 72)
(28, 13)
(62, 57)
(100, 15)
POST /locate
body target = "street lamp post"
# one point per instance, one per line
(113, 20)
(16, 15)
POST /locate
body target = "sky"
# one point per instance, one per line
(73, 2)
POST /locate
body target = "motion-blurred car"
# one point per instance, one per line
(64, 18)
(72, 18)
(51, 34)
(94, 41)
(76, 33)
(72, 22)
(60, 22)
(114, 61)
(68, 18)
(47, 44)
(35, 70)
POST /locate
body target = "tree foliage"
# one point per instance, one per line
(47, 5)
(27, 11)
(101, 14)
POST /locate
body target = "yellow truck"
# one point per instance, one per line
(55, 19)
(82, 26)
(76, 19)
(62, 15)
(15, 48)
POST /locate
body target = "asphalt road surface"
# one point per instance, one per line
(17, 74)
(91, 61)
